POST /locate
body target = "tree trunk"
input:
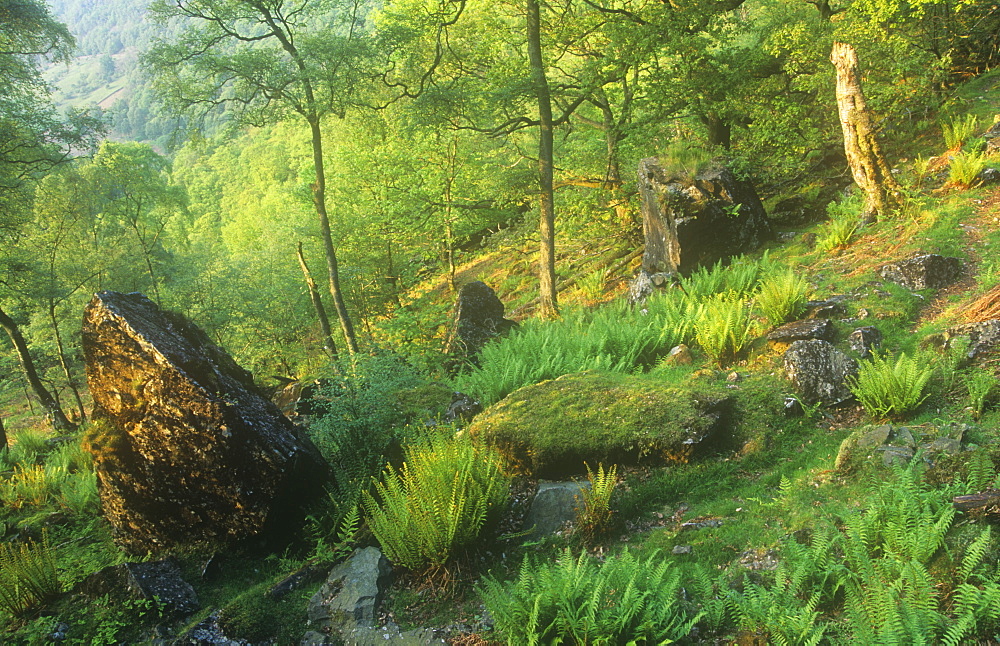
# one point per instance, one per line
(548, 304)
(449, 233)
(324, 320)
(4, 446)
(49, 404)
(864, 155)
(319, 199)
(720, 133)
(64, 363)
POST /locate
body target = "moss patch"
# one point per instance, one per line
(552, 428)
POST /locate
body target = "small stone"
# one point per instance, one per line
(682, 549)
(793, 407)
(679, 355)
(865, 339)
(734, 377)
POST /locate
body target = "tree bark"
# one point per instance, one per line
(319, 199)
(324, 320)
(864, 155)
(53, 411)
(64, 363)
(548, 304)
(4, 446)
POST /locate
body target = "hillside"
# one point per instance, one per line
(782, 427)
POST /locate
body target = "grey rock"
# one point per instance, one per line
(640, 288)
(389, 635)
(942, 446)
(984, 339)
(156, 581)
(816, 328)
(554, 505)
(923, 272)
(793, 407)
(681, 549)
(759, 560)
(351, 594)
(462, 408)
(992, 137)
(988, 176)
(865, 339)
(896, 456)
(830, 308)
(904, 436)
(873, 437)
(818, 371)
(679, 355)
(689, 222)
(208, 632)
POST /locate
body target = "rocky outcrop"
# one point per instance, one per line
(923, 272)
(478, 320)
(818, 371)
(898, 445)
(696, 221)
(189, 452)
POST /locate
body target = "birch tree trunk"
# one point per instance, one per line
(548, 304)
(324, 320)
(864, 155)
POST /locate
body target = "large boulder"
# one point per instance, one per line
(188, 451)
(819, 371)
(924, 271)
(695, 221)
(478, 319)
(551, 429)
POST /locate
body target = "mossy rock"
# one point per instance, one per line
(551, 429)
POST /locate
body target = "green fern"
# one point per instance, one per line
(575, 600)
(781, 296)
(594, 515)
(724, 328)
(28, 576)
(438, 502)
(891, 390)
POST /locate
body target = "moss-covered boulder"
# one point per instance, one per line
(550, 429)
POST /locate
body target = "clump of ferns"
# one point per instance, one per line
(594, 514)
(28, 576)
(447, 491)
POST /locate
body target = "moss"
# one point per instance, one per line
(552, 428)
(424, 402)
